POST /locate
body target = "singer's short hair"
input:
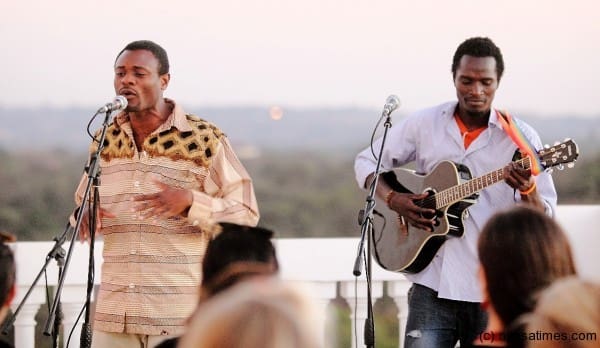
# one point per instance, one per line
(7, 266)
(478, 47)
(154, 48)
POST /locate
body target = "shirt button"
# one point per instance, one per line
(136, 184)
(195, 223)
(133, 252)
(131, 286)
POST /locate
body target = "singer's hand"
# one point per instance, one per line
(167, 203)
(84, 228)
(404, 205)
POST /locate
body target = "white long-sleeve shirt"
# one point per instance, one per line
(430, 136)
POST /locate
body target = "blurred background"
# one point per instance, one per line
(298, 87)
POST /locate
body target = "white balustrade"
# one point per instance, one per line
(325, 264)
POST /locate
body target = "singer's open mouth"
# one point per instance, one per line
(127, 93)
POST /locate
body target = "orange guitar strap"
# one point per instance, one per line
(517, 136)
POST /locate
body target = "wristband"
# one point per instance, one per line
(528, 191)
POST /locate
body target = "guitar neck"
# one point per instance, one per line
(459, 192)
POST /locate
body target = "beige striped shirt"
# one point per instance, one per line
(152, 267)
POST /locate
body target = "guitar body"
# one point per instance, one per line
(411, 252)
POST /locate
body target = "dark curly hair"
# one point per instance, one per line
(237, 252)
(7, 266)
(478, 47)
(156, 49)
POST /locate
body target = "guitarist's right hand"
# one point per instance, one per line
(404, 205)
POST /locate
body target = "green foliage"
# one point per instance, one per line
(37, 192)
(300, 194)
(306, 194)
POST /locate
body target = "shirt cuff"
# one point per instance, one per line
(200, 212)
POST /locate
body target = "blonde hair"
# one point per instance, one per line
(258, 313)
(569, 306)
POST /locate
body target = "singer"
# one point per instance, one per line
(445, 299)
(167, 178)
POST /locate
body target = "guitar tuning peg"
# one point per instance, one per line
(560, 167)
(571, 165)
(546, 146)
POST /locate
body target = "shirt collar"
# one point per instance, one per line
(176, 119)
(493, 120)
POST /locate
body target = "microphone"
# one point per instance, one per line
(391, 104)
(118, 104)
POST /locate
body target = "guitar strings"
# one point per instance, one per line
(432, 199)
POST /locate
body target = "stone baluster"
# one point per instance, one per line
(398, 291)
(323, 293)
(357, 300)
(25, 323)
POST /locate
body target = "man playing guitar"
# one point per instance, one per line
(444, 301)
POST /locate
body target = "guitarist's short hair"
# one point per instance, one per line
(478, 47)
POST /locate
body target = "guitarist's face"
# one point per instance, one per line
(476, 82)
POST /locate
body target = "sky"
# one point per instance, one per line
(303, 53)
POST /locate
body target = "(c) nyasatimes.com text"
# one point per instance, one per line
(491, 336)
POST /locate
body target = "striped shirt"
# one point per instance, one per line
(152, 267)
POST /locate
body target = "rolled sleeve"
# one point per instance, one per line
(364, 165)
(228, 193)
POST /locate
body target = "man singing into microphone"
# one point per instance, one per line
(444, 300)
(167, 177)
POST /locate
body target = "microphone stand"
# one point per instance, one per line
(366, 223)
(57, 252)
(93, 170)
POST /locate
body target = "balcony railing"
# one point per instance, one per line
(325, 263)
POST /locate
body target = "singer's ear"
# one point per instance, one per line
(164, 81)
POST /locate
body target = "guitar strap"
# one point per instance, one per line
(517, 136)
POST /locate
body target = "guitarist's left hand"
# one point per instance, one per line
(518, 177)
(521, 179)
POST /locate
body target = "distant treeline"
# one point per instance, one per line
(300, 194)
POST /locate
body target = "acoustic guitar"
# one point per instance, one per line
(451, 190)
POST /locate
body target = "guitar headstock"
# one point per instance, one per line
(559, 154)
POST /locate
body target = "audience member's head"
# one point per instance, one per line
(256, 313)
(521, 252)
(7, 274)
(568, 310)
(237, 252)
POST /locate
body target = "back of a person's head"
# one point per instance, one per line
(7, 273)
(235, 253)
(567, 315)
(522, 251)
(257, 313)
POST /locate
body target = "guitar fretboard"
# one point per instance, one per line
(456, 193)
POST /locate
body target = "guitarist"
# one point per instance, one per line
(444, 300)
